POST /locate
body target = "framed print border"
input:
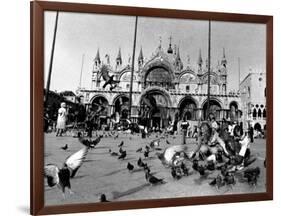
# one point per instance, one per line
(37, 9)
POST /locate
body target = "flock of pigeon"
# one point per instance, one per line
(173, 157)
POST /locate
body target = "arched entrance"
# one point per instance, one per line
(257, 127)
(187, 109)
(99, 106)
(121, 105)
(154, 110)
(215, 108)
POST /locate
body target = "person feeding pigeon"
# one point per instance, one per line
(61, 121)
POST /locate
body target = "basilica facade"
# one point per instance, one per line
(179, 89)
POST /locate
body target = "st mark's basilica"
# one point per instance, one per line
(179, 89)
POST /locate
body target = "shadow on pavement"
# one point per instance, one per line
(117, 194)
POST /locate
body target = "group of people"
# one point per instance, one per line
(222, 139)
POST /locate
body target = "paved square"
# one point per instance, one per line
(103, 173)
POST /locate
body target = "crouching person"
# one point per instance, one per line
(209, 144)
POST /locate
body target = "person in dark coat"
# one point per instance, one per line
(89, 123)
(184, 126)
(251, 133)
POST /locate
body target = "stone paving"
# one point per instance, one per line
(103, 173)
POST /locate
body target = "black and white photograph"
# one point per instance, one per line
(142, 108)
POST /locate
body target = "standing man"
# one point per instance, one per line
(184, 126)
(89, 122)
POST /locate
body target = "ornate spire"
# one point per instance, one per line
(178, 59)
(223, 61)
(200, 60)
(97, 58)
(188, 60)
(140, 58)
(160, 43)
(170, 50)
(119, 58)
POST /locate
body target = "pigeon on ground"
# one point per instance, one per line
(229, 179)
(112, 153)
(130, 166)
(120, 150)
(218, 182)
(146, 168)
(176, 173)
(65, 147)
(61, 176)
(152, 179)
(211, 166)
(146, 154)
(195, 165)
(167, 141)
(103, 198)
(123, 155)
(139, 150)
(201, 170)
(252, 174)
(121, 144)
(184, 169)
(140, 163)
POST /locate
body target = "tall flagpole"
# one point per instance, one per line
(132, 73)
(209, 68)
(239, 73)
(81, 70)
(51, 59)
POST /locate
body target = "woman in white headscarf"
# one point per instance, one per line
(61, 121)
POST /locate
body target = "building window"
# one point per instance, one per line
(259, 113)
(254, 113)
(249, 92)
(127, 86)
(187, 88)
(264, 113)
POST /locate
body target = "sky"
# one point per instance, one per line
(81, 34)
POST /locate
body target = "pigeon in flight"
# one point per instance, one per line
(107, 78)
(61, 176)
